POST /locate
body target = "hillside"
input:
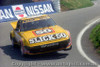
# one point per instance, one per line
(75, 4)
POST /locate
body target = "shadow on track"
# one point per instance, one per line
(15, 54)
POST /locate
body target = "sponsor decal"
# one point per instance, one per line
(28, 20)
(19, 11)
(44, 31)
(39, 9)
(49, 45)
(47, 38)
(15, 12)
(6, 14)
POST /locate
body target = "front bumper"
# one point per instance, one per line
(48, 47)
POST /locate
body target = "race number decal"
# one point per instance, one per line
(47, 38)
(44, 31)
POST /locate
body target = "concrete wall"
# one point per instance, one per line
(56, 3)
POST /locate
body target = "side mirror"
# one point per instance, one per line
(17, 30)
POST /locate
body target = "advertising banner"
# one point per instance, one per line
(15, 12)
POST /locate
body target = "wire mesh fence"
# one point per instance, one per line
(13, 2)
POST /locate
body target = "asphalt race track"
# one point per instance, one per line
(74, 21)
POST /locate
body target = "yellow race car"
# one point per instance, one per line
(39, 34)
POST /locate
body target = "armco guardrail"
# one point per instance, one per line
(15, 12)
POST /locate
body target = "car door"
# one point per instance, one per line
(17, 31)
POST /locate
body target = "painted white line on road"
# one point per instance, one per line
(79, 45)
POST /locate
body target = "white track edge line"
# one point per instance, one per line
(79, 45)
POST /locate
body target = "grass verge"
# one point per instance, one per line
(75, 4)
(95, 37)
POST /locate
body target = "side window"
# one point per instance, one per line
(18, 24)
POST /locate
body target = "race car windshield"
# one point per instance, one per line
(37, 24)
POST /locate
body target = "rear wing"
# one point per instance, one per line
(14, 24)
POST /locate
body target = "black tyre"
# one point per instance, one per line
(14, 42)
(22, 51)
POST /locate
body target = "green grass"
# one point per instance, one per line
(98, 51)
(75, 4)
(95, 37)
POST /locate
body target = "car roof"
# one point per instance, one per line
(14, 24)
(39, 17)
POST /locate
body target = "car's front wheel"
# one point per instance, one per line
(13, 43)
(13, 40)
(22, 51)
